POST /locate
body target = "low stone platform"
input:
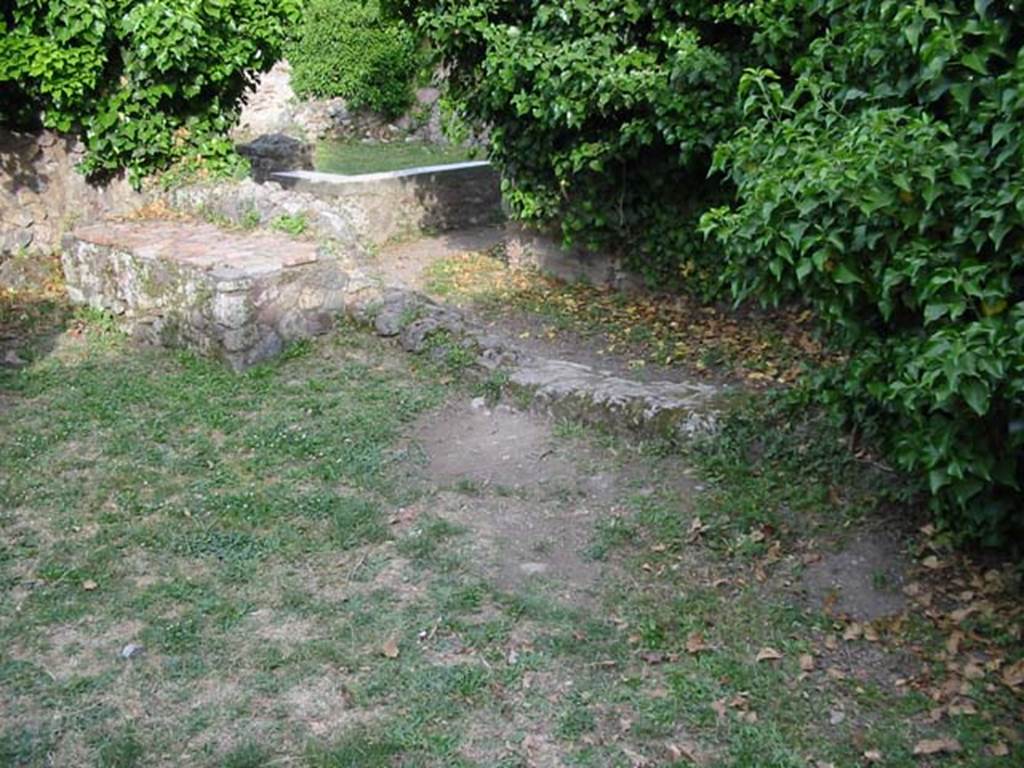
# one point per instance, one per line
(236, 296)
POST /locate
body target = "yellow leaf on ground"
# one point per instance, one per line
(390, 648)
(1013, 675)
(695, 643)
(768, 654)
(945, 746)
(953, 643)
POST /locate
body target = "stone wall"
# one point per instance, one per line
(398, 204)
(237, 296)
(544, 252)
(42, 194)
(273, 107)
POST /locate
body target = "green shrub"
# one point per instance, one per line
(603, 114)
(143, 82)
(864, 156)
(345, 48)
(886, 187)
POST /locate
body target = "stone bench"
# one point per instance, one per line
(232, 295)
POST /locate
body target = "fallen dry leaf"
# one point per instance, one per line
(873, 756)
(390, 648)
(768, 654)
(931, 563)
(953, 643)
(696, 529)
(684, 751)
(806, 662)
(999, 749)
(1013, 675)
(973, 670)
(719, 708)
(853, 631)
(944, 746)
(89, 585)
(962, 707)
(960, 615)
(695, 643)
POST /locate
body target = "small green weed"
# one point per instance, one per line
(291, 224)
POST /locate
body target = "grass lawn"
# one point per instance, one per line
(350, 158)
(307, 593)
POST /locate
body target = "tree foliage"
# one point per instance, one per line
(603, 114)
(864, 156)
(885, 185)
(143, 81)
(346, 48)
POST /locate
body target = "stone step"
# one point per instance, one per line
(568, 389)
(587, 394)
(241, 296)
(233, 295)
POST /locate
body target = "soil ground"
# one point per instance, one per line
(351, 557)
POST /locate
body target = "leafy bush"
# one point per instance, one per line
(603, 115)
(346, 48)
(886, 187)
(866, 157)
(143, 82)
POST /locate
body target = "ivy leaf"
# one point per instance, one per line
(845, 276)
(976, 395)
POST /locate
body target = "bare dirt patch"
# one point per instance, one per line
(323, 706)
(405, 263)
(498, 447)
(529, 498)
(524, 543)
(276, 626)
(79, 650)
(863, 580)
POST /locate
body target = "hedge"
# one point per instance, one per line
(344, 48)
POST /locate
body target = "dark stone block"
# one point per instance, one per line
(276, 152)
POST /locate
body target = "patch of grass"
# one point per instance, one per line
(576, 719)
(610, 533)
(237, 528)
(761, 348)
(250, 219)
(291, 224)
(169, 498)
(425, 541)
(450, 353)
(777, 465)
(492, 387)
(362, 750)
(120, 751)
(247, 756)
